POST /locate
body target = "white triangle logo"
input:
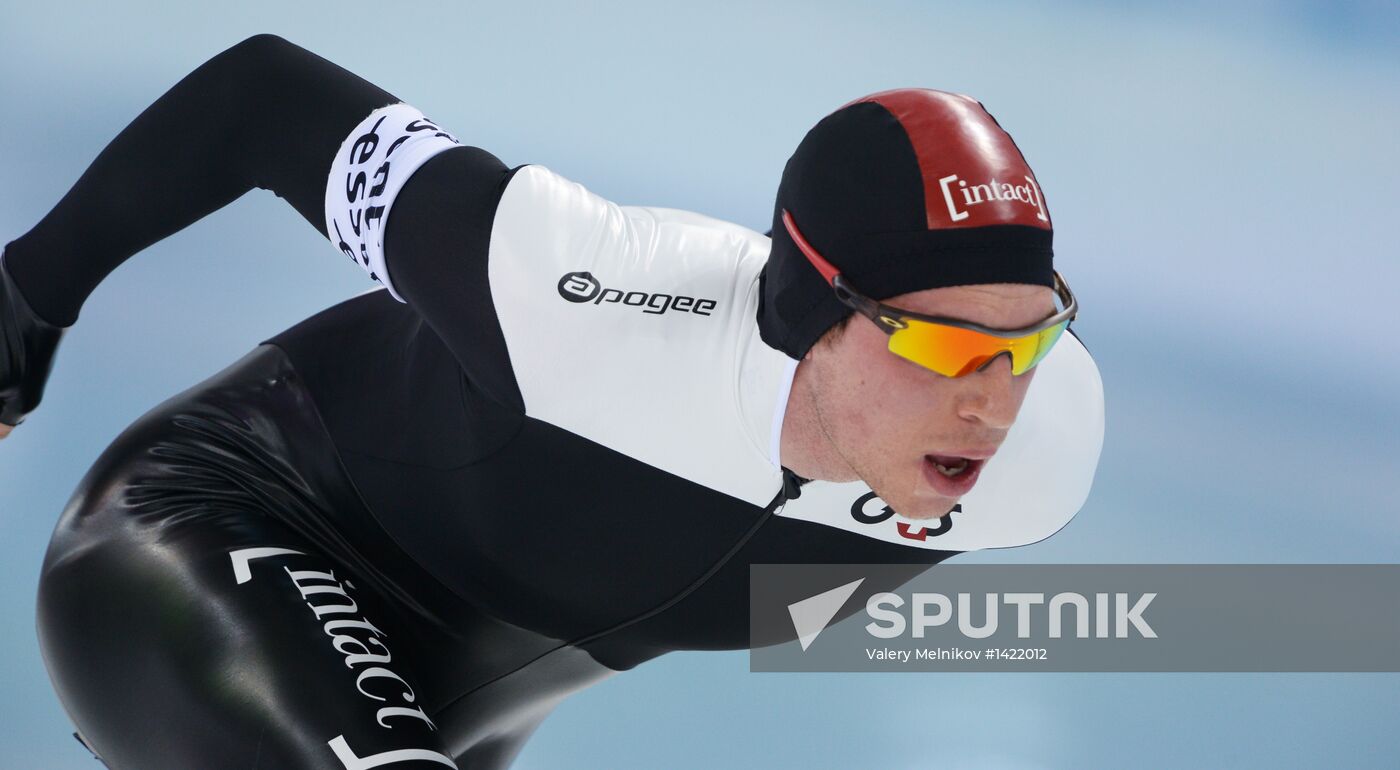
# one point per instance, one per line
(810, 616)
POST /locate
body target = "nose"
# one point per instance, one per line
(990, 395)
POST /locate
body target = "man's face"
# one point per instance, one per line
(888, 417)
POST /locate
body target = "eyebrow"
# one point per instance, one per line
(1055, 310)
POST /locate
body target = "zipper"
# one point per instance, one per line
(792, 488)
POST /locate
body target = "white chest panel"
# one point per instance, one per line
(587, 294)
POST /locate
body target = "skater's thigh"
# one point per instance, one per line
(221, 638)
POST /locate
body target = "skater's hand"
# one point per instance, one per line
(27, 347)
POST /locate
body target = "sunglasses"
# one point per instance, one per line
(950, 346)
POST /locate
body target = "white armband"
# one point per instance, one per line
(370, 168)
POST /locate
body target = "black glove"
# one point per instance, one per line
(27, 346)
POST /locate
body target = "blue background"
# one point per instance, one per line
(1223, 183)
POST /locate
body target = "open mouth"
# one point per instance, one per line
(952, 475)
(948, 465)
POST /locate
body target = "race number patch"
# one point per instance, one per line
(371, 167)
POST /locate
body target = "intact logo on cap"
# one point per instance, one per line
(972, 172)
(960, 197)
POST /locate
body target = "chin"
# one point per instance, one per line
(928, 505)
(929, 510)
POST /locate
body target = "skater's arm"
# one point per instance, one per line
(268, 113)
(263, 113)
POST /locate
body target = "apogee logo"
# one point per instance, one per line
(579, 287)
(968, 196)
(583, 287)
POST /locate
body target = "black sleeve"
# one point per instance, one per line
(267, 113)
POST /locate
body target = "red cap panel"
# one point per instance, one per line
(973, 173)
